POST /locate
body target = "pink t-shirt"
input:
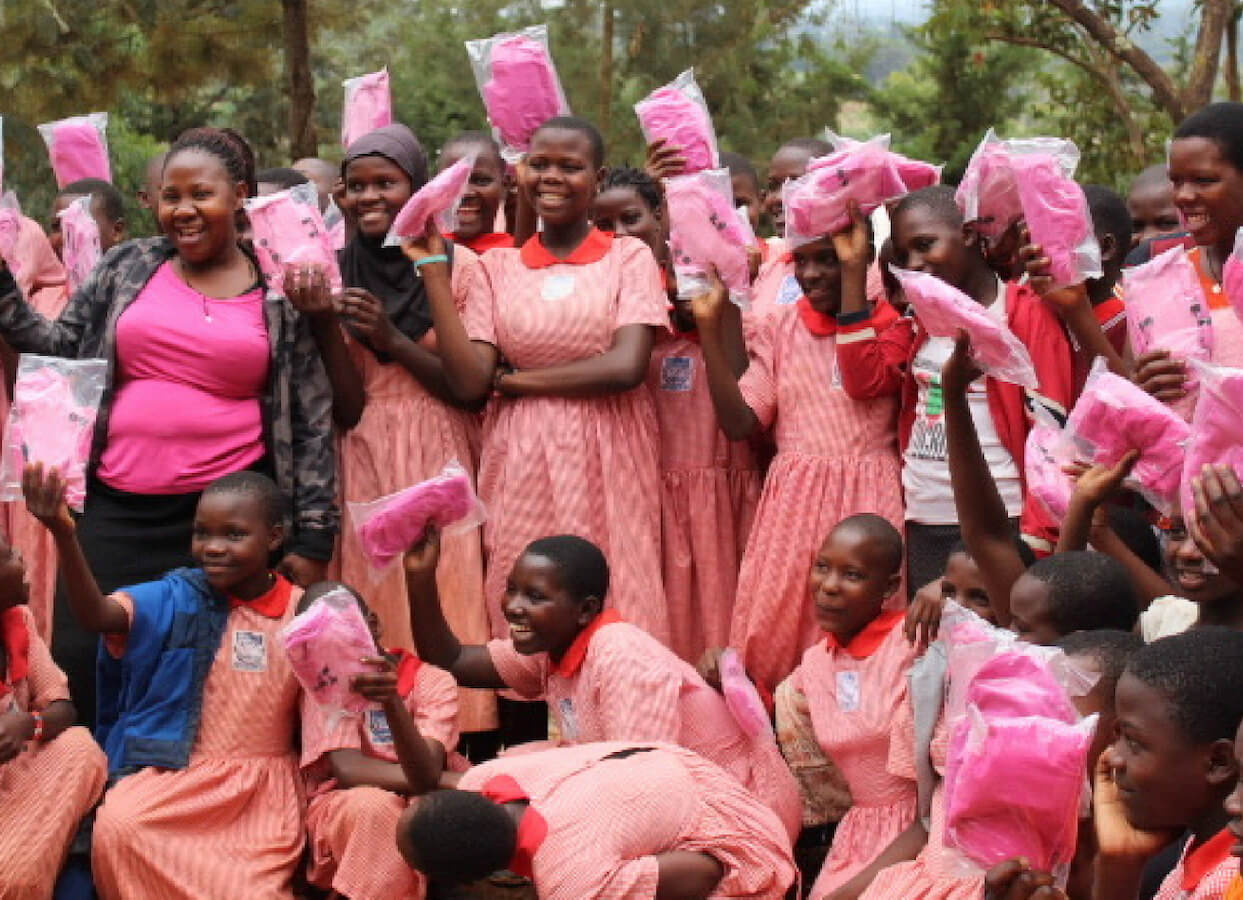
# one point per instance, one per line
(190, 372)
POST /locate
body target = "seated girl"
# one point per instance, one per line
(604, 679)
(198, 705)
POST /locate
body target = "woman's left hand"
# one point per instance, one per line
(307, 289)
(302, 571)
(432, 243)
(364, 311)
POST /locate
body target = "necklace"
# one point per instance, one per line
(204, 298)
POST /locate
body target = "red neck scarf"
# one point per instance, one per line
(818, 323)
(407, 671)
(16, 638)
(573, 659)
(1205, 858)
(594, 247)
(868, 641)
(492, 240)
(532, 828)
(272, 604)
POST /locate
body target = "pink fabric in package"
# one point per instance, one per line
(1217, 428)
(1058, 218)
(1043, 462)
(52, 421)
(81, 251)
(706, 231)
(867, 172)
(391, 525)
(1114, 416)
(78, 148)
(439, 197)
(368, 106)
(678, 114)
(519, 86)
(326, 645)
(1166, 310)
(10, 229)
(741, 696)
(988, 194)
(942, 309)
(288, 230)
(1232, 275)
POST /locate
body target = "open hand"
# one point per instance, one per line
(1097, 484)
(853, 244)
(45, 498)
(664, 160)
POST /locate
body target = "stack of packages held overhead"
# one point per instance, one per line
(519, 86)
(1033, 179)
(78, 148)
(368, 106)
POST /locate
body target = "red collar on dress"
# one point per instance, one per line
(407, 670)
(16, 637)
(532, 828)
(868, 641)
(573, 659)
(492, 240)
(818, 323)
(1205, 858)
(786, 258)
(272, 604)
(1107, 309)
(594, 247)
(765, 250)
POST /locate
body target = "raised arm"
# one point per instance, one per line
(736, 417)
(45, 498)
(981, 513)
(434, 640)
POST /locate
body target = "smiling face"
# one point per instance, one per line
(819, 275)
(1190, 570)
(1208, 190)
(850, 582)
(376, 189)
(543, 616)
(787, 163)
(232, 542)
(925, 242)
(560, 175)
(198, 206)
(622, 211)
(485, 192)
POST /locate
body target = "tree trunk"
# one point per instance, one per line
(302, 140)
(606, 69)
(1232, 55)
(1215, 16)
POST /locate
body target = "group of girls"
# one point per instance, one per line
(663, 476)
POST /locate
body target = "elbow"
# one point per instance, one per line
(629, 376)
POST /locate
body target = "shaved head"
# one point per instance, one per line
(322, 174)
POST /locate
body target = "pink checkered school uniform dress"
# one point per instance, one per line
(572, 465)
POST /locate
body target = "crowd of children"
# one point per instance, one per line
(813, 484)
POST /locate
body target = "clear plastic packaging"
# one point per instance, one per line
(78, 148)
(326, 644)
(1232, 275)
(741, 696)
(52, 421)
(1043, 460)
(289, 230)
(440, 197)
(10, 230)
(334, 221)
(867, 172)
(519, 86)
(81, 250)
(1114, 416)
(389, 526)
(705, 230)
(678, 114)
(1033, 178)
(942, 310)
(1217, 428)
(368, 106)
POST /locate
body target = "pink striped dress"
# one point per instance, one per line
(835, 457)
(710, 487)
(405, 436)
(46, 789)
(617, 683)
(351, 829)
(607, 819)
(231, 823)
(572, 465)
(857, 698)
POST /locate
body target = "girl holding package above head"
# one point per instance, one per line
(400, 422)
(51, 774)
(835, 456)
(603, 678)
(563, 341)
(898, 358)
(709, 485)
(357, 788)
(198, 704)
(212, 373)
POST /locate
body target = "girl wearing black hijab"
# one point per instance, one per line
(398, 420)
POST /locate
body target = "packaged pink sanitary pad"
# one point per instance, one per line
(289, 230)
(440, 197)
(81, 251)
(391, 525)
(1232, 275)
(326, 645)
(1043, 460)
(519, 86)
(705, 230)
(867, 172)
(52, 421)
(1216, 429)
(678, 114)
(368, 106)
(942, 310)
(78, 148)
(741, 696)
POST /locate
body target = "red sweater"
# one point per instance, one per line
(876, 361)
